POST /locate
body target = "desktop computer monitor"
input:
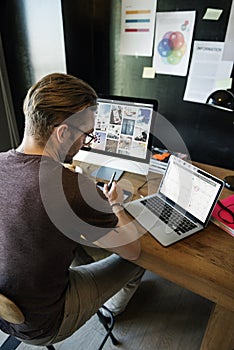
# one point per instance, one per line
(123, 130)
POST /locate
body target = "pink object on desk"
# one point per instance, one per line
(223, 218)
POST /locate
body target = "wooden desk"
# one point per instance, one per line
(202, 263)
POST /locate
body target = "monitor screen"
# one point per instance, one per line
(123, 130)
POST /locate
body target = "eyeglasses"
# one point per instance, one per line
(89, 137)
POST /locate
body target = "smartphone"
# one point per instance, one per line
(111, 180)
(127, 194)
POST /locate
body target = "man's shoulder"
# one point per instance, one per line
(6, 154)
(6, 159)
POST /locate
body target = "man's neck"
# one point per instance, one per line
(30, 146)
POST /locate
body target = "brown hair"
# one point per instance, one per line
(52, 100)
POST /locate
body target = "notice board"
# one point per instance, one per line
(92, 39)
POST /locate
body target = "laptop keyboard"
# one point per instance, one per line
(165, 212)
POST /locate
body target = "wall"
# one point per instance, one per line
(5, 141)
(15, 46)
(33, 43)
(9, 137)
(92, 36)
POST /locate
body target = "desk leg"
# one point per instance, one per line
(219, 331)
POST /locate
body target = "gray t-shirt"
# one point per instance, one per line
(45, 210)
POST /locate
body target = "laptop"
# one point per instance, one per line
(182, 205)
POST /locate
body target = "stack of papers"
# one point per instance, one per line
(159, 159)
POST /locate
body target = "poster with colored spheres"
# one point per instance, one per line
(173, 38)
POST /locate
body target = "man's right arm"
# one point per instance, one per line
(124, 239)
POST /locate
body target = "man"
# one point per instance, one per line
(47, 211)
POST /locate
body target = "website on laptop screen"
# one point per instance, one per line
(190, 188)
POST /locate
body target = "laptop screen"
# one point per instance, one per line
(190, 188)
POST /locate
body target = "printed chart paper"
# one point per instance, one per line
(137, 27)
(173, 38)
(206, 70)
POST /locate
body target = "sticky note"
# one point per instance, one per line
(223, 84)
(212, 14)
(148, 72)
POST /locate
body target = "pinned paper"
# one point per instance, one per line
(173, 38)
(148, 72)
(137, 27)
(206, 69)
(212, 14)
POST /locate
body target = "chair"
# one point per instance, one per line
(11, 313)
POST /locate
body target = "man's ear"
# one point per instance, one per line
(62, 133)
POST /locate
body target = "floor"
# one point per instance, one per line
(161, 316)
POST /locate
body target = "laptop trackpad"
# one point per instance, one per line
(147, 219)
